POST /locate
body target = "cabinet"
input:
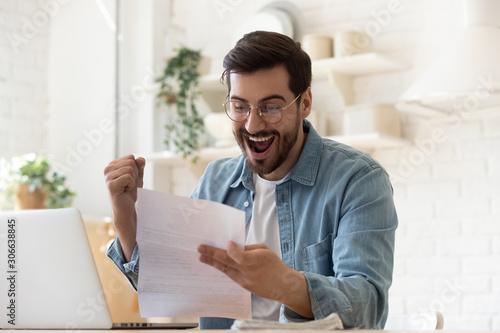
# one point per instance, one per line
(341, 73)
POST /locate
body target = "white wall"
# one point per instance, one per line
(81, 123)
(447, 196)
(24, 47)
(136, 77)
(446, 191)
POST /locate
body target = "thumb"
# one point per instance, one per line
(141, 163)
(234, 252)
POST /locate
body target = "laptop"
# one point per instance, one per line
(50, 279)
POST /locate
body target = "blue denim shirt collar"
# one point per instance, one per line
(304, 172)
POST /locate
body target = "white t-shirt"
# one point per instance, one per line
(263, 228)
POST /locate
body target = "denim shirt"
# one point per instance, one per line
(337, 224)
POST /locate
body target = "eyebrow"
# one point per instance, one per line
(273, 96)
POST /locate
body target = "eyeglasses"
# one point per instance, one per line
(271, 113)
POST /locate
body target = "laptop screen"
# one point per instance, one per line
(51, 281)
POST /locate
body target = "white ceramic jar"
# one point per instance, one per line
(351, 42)
(318, 46)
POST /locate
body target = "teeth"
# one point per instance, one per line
(259, 139)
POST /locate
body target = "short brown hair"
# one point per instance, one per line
(264, 50)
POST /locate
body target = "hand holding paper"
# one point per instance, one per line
(259, 270)
(172, 281)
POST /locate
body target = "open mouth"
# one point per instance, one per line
(260, 145)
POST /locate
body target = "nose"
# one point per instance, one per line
(254, 122)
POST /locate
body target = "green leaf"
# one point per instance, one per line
(182, 71)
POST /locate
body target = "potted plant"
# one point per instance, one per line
(179, 88)
(35, 186)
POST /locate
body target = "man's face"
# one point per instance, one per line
(270, 149)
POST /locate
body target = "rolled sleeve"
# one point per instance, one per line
(325, 299)
(129, 269)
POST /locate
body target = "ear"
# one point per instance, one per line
(306, 103)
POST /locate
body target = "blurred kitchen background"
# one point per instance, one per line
(422, 97)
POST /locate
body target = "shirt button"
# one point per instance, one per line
(246, 204)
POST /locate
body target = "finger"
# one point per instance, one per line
(235, 253)
(126, 163)
(214, 254)
(228, 270)
(121, 183)
(206, 256)
(122, 177)
(121, 174)
(141, 164)
(252, 255)
(118, 163)
(129, 157)
(122, 167)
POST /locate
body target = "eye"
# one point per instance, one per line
(240, 107)
(270, 108)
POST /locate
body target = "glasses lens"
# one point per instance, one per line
(239, 111)
(236, 110)
(271, 112)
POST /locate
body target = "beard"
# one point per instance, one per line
(284, 141)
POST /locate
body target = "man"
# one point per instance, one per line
(320, 217)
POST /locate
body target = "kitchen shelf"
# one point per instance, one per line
(164, 167)
(359, 64)
(341, 71)
(371, 141)
(360, 141)
(168, 158)
(161, 165)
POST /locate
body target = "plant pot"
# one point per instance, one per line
(33, 200)
(170, 99)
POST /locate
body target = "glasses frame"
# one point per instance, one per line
(259, 111)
